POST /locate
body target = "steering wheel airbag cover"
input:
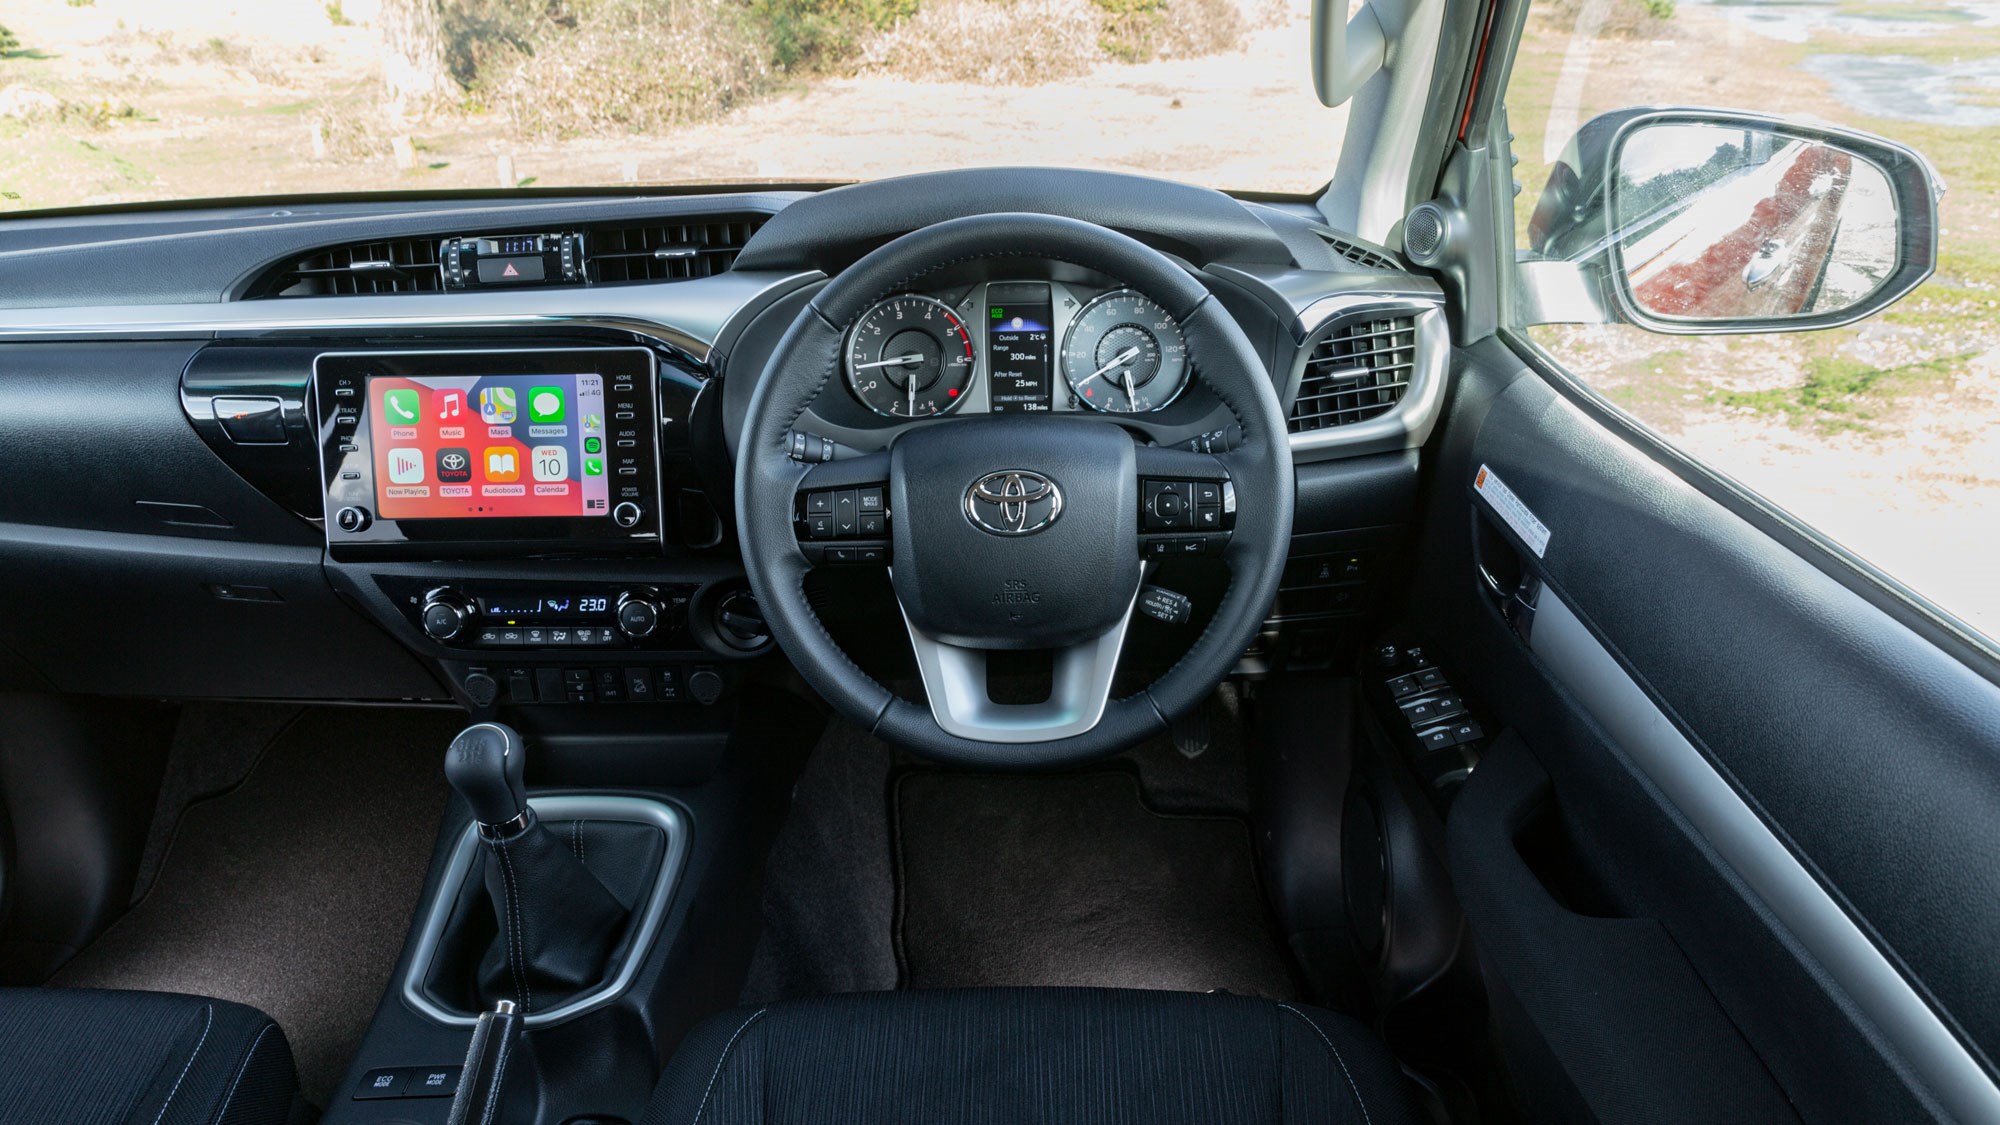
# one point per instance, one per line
(808, 358)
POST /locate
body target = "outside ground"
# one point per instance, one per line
(1886, 435)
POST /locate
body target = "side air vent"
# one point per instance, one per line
(1359, 253)
(403, 265)
(666, 251)
(1359, 370)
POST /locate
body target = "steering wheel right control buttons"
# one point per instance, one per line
(1185, 517)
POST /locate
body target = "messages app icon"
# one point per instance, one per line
(545, 404)
(497, 406)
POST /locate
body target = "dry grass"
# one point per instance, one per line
(633, 66)
(1023, 43)
(1032, 42)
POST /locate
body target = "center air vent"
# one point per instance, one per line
(402, 265)
(666, 251)
(1359, 370)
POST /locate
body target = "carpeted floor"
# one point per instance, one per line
(1071, 879)
(292, 892)
(1141, 874)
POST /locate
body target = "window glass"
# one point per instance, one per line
(1884, 435)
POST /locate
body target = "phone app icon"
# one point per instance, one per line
(406, 466)
(593, 466)
(593, 445)
(403, 407)
(454, 465)
(551, 462)
(545, 404)
(497, 406)
(451, 404)
(503, 464)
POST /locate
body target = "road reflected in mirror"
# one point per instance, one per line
(1718, 223)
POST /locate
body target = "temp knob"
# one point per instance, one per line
(445, 615)
(638, 613)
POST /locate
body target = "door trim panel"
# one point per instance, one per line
(1684, 775)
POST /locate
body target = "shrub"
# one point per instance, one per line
(1143, 30)
(629, 66)
(816, 34)
(1019, 43)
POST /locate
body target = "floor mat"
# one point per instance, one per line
(1072, 880)
(829, 889)
(293, 891)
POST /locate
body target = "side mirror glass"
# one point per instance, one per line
(1701, 221)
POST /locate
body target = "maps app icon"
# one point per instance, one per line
(497, 405)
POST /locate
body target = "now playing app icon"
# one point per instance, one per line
(454, 466)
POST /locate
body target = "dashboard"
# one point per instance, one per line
(482, 450)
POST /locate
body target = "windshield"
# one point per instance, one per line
(117, 101)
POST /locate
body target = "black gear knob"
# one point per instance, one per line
(486, 764)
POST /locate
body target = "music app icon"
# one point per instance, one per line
(451, 404)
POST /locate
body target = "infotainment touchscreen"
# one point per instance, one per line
(489, 446)
(491, 451)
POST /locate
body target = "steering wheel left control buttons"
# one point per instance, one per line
(626, 514)
(352, 519)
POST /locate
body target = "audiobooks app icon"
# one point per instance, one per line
(503, 464)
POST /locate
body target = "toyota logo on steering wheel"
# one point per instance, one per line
(1013, 502)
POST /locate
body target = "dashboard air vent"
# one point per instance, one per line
(667, 251)
(403, 265)
(1359, 370)
(1359, 253)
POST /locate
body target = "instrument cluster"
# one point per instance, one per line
(1015, 347)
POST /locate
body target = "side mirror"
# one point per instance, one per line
(1701, 221)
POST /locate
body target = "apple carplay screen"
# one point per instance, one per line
(489, 446)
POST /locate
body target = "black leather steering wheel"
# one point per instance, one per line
(970, 573)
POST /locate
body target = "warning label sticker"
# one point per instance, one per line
(1531, 530)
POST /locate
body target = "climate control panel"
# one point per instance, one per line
(498, 614)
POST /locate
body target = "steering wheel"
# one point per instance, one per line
(1015, 532)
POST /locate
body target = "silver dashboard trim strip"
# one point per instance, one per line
(1849, 958)
(636, 810)
(688, 315)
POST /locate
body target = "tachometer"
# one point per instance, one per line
(909, 357)
(1125, 354)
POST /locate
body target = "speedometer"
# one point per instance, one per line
(1125, 354)
(909, 357)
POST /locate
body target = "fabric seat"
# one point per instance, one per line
(1013, 1056)
(85, 1056)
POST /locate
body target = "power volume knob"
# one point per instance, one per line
(446, 614)
(638, 613)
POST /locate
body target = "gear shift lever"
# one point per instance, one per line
(557, 924)
(486, 764)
